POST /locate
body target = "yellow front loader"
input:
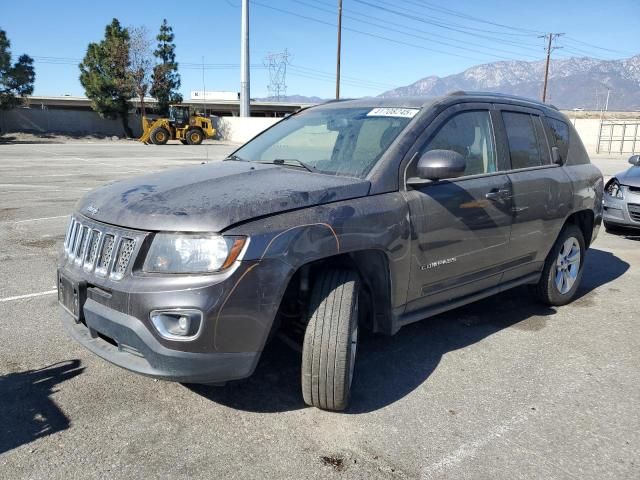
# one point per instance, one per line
(189, 128)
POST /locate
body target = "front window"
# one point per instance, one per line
(469, 134)
(335, 141)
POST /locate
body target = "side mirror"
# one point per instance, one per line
(635, 160)
(438, 165)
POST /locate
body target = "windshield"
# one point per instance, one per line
(335, 141)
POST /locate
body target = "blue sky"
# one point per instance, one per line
(56, 35)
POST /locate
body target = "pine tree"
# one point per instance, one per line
(165, 77)
(16, 81)
(105, 75)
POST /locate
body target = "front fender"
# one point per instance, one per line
(379, 222)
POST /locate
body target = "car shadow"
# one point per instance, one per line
(27, 412)
(389, 368)
(8, 140)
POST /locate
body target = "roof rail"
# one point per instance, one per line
(335, 100)
(500, 95)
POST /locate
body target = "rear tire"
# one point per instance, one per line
(563, 268)
(195, 136)
(330, 340)
(160, 136)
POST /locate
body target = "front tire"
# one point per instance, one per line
(563, 268)
(330, 340)
(160, 136)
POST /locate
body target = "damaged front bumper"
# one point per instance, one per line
(124, 341)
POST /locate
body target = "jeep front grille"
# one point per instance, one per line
(105, 255)
(105, 250)
(125, 251)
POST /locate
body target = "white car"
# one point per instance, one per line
(622, 198)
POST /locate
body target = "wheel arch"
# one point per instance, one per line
(195, 127)
(585, 221)
(372, 266)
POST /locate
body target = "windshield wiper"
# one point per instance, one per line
(293, 162)
(236, 158)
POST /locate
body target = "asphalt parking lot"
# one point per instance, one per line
(505, 388)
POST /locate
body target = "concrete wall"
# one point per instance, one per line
(81, 122)
(71, 122)
(241, 129)
(588, 129)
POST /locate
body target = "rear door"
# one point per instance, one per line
(541, 189)
(460, 227)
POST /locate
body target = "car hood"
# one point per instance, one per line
(213, 196)
(630, 177)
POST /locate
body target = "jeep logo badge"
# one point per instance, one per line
(92, 210)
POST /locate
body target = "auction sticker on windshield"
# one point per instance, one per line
(393, 112)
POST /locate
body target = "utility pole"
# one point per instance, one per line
(339, 47)
(605, 108)
(550, 48)
(204, 89)
(245, 109)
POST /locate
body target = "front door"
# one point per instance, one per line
(460, 227)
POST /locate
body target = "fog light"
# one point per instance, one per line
(183, 324)
(177, 324)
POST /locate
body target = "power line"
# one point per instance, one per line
(451, 27)
(343, 77)
(373, 35)
(458, 14)
(598, 47)
(432, 38)
(311, 72)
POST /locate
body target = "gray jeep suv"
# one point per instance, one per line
(370, 213)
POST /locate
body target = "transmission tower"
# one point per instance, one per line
(277, 65)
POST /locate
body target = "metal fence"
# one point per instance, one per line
(618, 136)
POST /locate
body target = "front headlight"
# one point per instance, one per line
(192, 253)
(614, 189)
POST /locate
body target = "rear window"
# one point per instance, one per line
(560, 133)
(523, 142)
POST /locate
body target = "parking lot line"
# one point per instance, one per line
(29, 295)
(38, 219)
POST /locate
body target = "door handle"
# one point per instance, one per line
(498, 194)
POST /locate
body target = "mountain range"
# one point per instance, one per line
(573, 82)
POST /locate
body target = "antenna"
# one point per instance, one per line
(277, 65)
